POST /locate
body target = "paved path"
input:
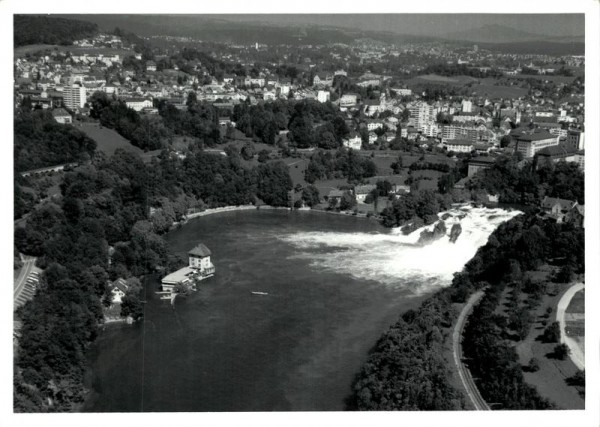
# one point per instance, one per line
(577, 355)
(463, 372)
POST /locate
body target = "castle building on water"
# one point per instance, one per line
(199, 268)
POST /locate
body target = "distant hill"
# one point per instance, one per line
(502, 34)
(218, 30)
(213, 29)
(537, 47)
(31, 29)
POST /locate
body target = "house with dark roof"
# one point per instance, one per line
(556, 153)
(576, 216)
(556, 208)
(478, 163)
(361, 191)
(62, 116)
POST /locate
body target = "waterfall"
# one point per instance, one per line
(395, 259)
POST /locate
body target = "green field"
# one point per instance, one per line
(577, 304)
(488, 87)
(107, 139)
(490, 90)
(435, 78)
(554, 79)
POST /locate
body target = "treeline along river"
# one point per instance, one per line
(333, 285)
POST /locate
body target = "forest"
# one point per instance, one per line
(146, 132)
(32, 29)
(530, 183)
(310, 123)
(41, 142)
(341, 164)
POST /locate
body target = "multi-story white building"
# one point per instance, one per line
(575, 139)
(431, 130)
(421, 115)
(466, 106)
(459, 146)
(530, 143)
(74, 97)
(472, 133)
(374, 124)
(348, 100)
(323, 96)
(561, 133)
(138, 104)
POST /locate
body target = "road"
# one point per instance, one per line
(576, 354)
(463, 372)
(28, 267)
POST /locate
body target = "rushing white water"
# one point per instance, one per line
(394, 259)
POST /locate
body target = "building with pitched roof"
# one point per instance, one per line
(529, 143)
(62, 116)
(199, 267)
(557, 208)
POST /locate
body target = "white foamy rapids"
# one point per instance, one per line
(393, 258)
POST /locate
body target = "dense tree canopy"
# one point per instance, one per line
(41, 142)
(148, 133)
(31, 29)
(342, 163)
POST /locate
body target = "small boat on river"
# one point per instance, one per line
(259, 293)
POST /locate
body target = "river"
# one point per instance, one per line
(334, 284)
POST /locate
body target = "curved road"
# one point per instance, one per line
(576, 355)
(463, 372)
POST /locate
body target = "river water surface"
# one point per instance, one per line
(334, 284)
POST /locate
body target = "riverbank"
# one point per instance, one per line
(227, 209)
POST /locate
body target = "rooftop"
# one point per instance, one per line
(201, 251)
(535, 136)
(179, 275)
(60, 112)
(482, 159)
(557, 150)
(549, 202)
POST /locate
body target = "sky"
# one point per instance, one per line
(431, 24)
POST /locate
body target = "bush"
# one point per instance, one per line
(552, 333)
(248, 151)
(263, 156)
(561, 351)
(533, 365)
(578, 379)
